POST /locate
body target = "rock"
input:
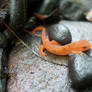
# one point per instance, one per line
(74, 9)
(71, 9)
(79, 30)
(35, 74)
(59, 33)
(80, 71)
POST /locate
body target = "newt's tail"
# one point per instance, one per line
(35, 30)
(38, 29)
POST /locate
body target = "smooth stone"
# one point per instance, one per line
(59, 33)
(80, 71)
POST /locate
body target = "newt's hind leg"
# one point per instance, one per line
(41, 50)
(54, 42)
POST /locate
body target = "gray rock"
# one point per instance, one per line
(71, 9)
(74, 9)
(80, 71)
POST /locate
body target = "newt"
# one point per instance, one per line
(57, 49)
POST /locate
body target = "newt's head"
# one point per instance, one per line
(83, 45)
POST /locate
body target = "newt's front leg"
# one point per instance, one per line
(54, 42)
(41, 49)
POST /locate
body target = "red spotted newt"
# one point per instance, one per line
(55, 48)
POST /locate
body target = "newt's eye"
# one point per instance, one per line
(84, 47)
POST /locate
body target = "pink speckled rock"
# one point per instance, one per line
(36, 75)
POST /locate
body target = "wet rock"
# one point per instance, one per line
(80, 71)
(59, 33)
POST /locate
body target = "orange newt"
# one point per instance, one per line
(55, 48)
